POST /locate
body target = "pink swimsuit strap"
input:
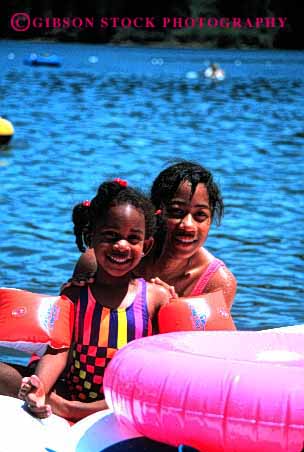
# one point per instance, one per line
(206, 276)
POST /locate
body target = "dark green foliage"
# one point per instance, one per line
(287, 37)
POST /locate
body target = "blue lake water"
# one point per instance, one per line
(127, 115)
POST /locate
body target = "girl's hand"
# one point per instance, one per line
(79, 280)
(171, 289)
(33, 393)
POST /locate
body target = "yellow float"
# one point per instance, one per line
(6, 131)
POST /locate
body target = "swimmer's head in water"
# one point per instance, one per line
(110, 194)
(167, 182)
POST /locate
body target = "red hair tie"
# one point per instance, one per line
(158, 212)
(121, 182)
(86, 203)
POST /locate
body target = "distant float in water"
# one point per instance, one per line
(6, 131)
(214, 72)
(42, 60)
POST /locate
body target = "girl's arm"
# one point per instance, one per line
(158, 296)
(34, 389)
(51, 366)
(84, 271)
(225, 280)
(86, 263)
(74, 410)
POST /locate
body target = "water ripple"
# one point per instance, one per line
(124, 117)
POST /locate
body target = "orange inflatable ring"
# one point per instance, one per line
(200, 313)
(30, 322)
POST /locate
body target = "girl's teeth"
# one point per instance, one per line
(119, 260)
(184, 240)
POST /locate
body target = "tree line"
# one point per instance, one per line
(213, 34)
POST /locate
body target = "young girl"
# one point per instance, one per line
(118, 224)
(187, 201)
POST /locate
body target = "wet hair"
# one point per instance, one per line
(166, 184)
(111, 193)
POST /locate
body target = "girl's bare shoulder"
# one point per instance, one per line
(223, 279)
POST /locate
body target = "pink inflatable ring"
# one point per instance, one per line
(215, 391)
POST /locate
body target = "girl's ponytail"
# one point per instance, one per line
(81, 220)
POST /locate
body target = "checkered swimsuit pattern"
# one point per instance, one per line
(99, 332)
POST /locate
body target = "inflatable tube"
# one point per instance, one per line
(22, 432)
(100, 431)
(204, 312)
(287, 329)
(42, 60)
(6, 131)
(215, 391)
(29, 322)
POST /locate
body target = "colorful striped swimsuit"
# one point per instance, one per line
(98, 333)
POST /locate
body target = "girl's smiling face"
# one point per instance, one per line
(119, 240)
(188, 220)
